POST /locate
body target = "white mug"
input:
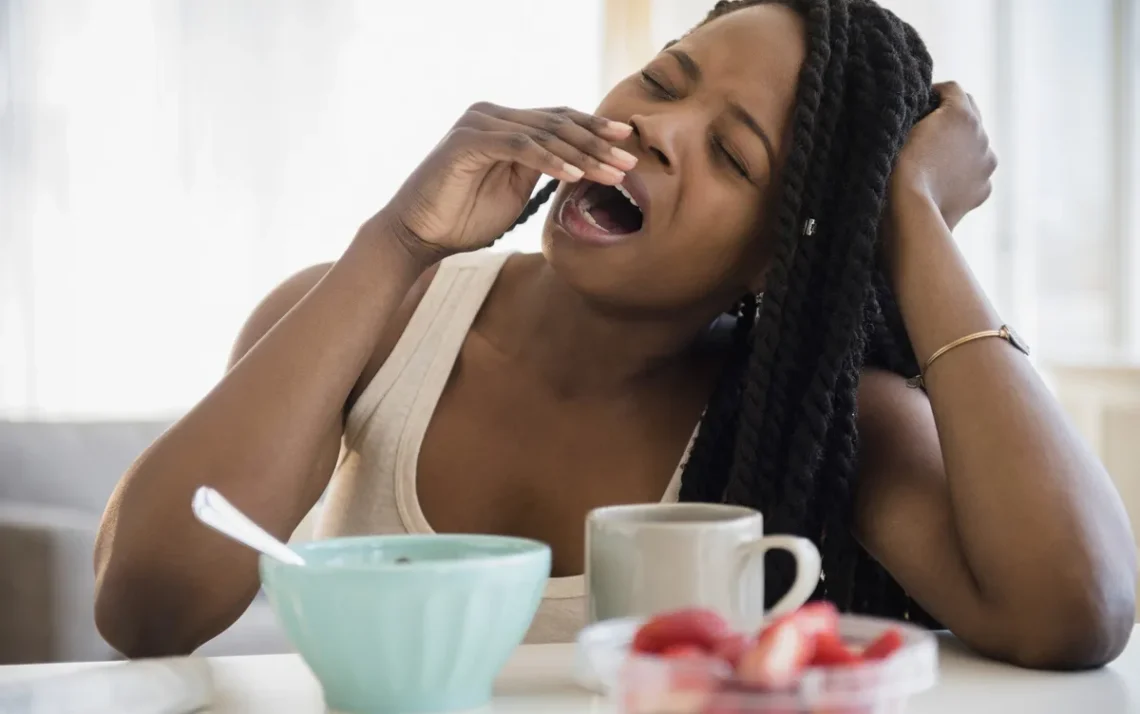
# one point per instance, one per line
(651, 558)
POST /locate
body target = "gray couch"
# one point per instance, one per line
(55, 479)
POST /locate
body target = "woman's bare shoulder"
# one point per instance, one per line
(392, 333)
(293, 289)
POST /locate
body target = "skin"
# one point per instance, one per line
(981, 500)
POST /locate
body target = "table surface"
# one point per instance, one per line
(539, 678)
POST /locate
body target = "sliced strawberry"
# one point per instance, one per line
(683, 652)
(814, 618)
(731, 648)
(885, 645)
(693, 626)
(778, 656)
(830, 651)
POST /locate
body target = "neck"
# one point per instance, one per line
(578, 347)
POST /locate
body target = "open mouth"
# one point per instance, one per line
(599, 210)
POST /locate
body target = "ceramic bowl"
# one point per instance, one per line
(408, 623)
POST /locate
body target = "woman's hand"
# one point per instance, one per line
(476, 181)
(947, 158)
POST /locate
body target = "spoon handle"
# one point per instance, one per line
(214, 510)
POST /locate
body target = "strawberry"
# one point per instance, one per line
(831, 652)
(731, 648)
(814, 618)
(693, 626)
(683, 651)
(885, 645)
(778, 656)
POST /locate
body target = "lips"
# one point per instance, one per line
(636, 188)
(605, 214)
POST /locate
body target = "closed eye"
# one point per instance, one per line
(656, 88)
(727, 155)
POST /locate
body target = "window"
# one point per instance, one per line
(165, 163)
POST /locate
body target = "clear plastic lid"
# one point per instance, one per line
(653, 685)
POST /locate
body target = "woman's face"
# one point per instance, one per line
(711, 118)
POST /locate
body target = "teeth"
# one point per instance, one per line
(585, 211)
(621, 189)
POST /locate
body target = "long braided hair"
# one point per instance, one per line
(779, 433)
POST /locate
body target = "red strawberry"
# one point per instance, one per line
(693, 626)
(814, 618)
(778, 657)
(886, 645)
(731, 648)
(683, 651)
(831, 652)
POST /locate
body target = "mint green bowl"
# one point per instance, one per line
(427, 635)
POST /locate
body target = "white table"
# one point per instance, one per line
(538, 679)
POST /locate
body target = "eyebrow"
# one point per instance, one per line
(692, 70)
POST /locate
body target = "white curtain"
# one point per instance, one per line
(165, 163)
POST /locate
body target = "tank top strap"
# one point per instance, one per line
(427, 349)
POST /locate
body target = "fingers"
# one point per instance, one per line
(516, 147)
(579, 139)
(952, 93)
(583, 131)
(954, 97)
(592, 168)
(605, 128)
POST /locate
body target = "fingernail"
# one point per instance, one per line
(611, 173)
(619, 127)
(624, 157)
(572, 170)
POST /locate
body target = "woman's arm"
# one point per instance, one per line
(267, 436)
(982, 500)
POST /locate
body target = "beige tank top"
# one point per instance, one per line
(373, 490)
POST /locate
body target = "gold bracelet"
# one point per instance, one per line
(1005, 332)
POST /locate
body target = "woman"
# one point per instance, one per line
(736, 280)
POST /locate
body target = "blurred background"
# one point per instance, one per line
(165, 163)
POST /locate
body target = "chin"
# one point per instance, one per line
(599, 274)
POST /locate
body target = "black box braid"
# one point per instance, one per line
(779, 432)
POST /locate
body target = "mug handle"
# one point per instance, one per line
(808, 568)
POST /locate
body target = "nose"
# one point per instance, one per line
(656, 134)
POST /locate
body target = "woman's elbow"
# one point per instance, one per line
(136, 620)
(1081, 631)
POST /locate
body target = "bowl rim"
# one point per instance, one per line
(529, 549)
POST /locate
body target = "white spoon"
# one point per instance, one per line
(214, 510)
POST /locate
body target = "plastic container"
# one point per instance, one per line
(652, 685)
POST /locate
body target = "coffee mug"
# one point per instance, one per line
(651, 558)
